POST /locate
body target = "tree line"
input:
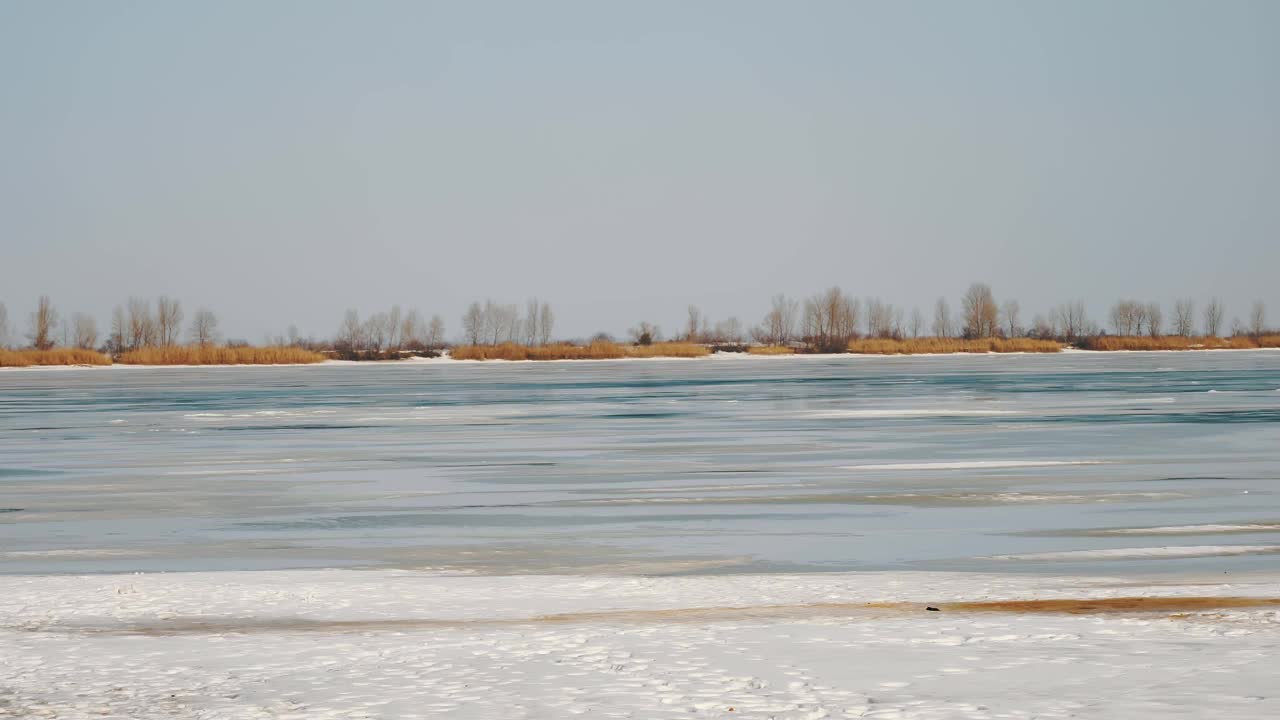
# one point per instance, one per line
(493, 323)
(134, 326)
(824, 322)
(827, 321)
(387, 334)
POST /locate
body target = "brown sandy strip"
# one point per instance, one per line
(1172, 605)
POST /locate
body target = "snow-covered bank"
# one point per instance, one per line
(720, 356)
(398, 644)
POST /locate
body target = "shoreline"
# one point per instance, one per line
(713, 356)
(446, 360)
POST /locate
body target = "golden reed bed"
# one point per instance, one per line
(1178, 342)
(921, 346)
(563, 351)
(57, 356)
(195, 355)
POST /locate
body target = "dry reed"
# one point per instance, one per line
(933, 345)
(56, 356)
(209, 355)
(1178, 342)
(668, 349)
(599, 350)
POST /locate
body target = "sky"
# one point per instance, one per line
(280, 162)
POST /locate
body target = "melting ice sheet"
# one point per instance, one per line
(1109, 463)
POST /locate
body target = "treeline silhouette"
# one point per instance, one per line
(831, 321)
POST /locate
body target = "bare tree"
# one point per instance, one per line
(435, 333)
(142, 326)
(831, 319)
(788, 313)
(377, 331)
(1009, 313)
(473, 324)
(1127, 317)
(1258, 319)
(728, 331)
(881, 318)
(204, 328)
(1155, 320)
(1184, 317)
(981, 315)
(1139, 318)
(493, 321)
(119, 330)
(1071, 321)
(546, 324)
(693, 326)
(844, 314)
(508, 319)
(351, 333)
(538, 321)
(168, 321)
(917, 322)
(392, 329)
(1121, 322)
(4, 327)
(43, 323)
(942, 326)
(501, 322)
(778, 327)
(413, 331)
(85, 331)
(1213, 313)
(532, 314)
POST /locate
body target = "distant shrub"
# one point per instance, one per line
(771, 350)
(346, 352)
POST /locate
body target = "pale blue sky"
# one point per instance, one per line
(281, 161)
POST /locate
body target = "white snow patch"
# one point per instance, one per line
(1180, 551)
(75, 553)
(1191, 529)
(349, 643)
(973, 465)
(907, 413)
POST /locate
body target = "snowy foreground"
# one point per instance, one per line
(401, 644)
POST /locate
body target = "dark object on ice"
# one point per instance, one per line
(931, 608)
(8, 510)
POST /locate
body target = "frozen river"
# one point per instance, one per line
(1079, 462)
